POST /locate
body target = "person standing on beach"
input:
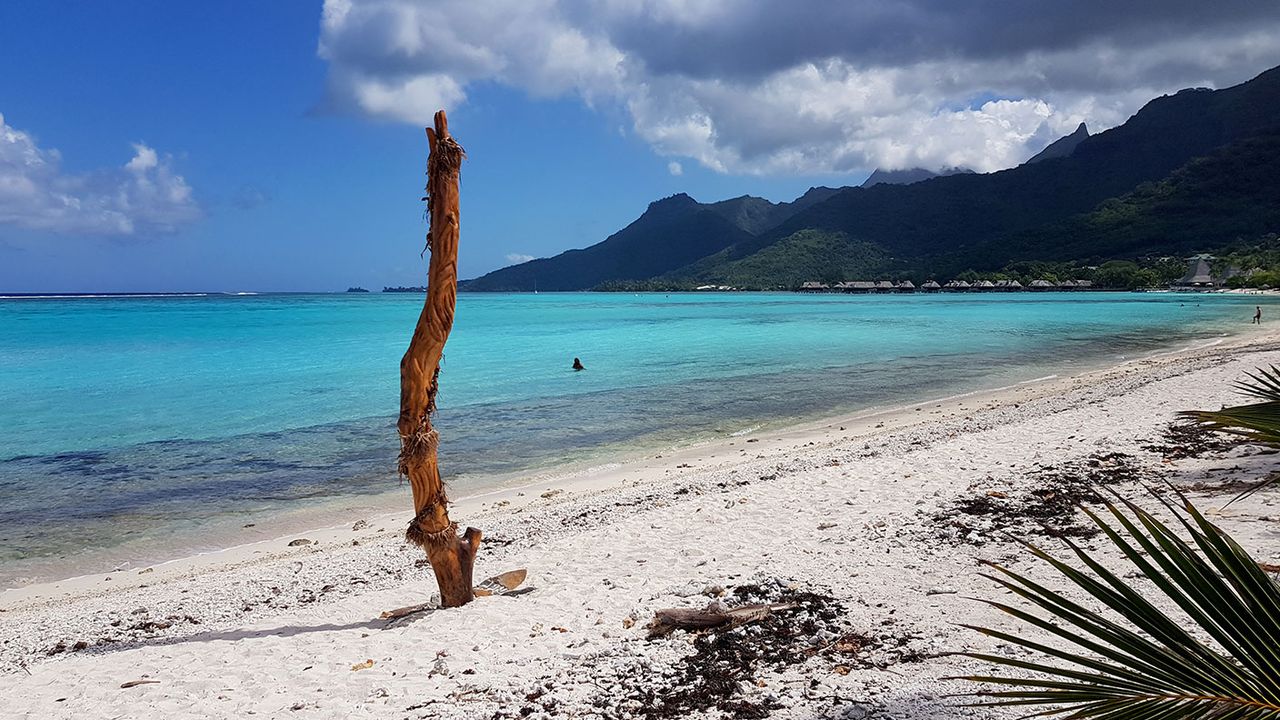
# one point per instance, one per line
(1257, 315)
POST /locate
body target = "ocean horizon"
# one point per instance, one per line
(141, 426)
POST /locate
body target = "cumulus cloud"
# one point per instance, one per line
(143, 195)
(675, 168)
(804, 86)
(517, 258)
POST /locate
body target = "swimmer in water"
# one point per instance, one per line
(577, 364)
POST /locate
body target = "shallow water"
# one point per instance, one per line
(152, 419)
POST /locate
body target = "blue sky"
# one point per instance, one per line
(234, 146)
(294, 195)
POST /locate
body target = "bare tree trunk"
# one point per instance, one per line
(452, 557)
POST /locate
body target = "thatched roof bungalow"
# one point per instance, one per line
(906, 286)
(1199, 274)
(931, 286)
(1042, 285)
(854, 286)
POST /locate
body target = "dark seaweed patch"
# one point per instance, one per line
(1187, 440)
(723, 661)
(1045, 501)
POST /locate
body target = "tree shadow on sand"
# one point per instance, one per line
(240, 634)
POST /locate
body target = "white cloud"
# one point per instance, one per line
(144, 160)
(143, 195)
(766, 86)
(675, 168)
(517, 258)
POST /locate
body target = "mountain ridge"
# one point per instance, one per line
(632, 254)
(1062, 147)
(909, 175)
(943, 223)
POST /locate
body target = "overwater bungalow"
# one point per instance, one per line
(884, 286)
(985, 286)
(814, 286)
(930, 286)
(1008, 285)
(906, 286)
(957, 286)
(1042, 285)
(856, 286)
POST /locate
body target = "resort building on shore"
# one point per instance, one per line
(1199, 275)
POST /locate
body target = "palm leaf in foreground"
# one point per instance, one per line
(1134, 661)
(1264, 384)
(1256, 422)
(1260, 421)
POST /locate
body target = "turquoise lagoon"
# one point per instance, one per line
(144, 424)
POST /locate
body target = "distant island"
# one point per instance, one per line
(357, 289)
(401, 289)
(1190, 174)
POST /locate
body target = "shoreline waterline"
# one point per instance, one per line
(209, 421)
(612, 467)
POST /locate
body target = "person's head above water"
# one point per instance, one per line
(577, 364)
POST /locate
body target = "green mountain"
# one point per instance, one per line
(671, 233)
(947, 224)
(1209, 203)
(799, 257)
(756, 215)
(1189, 171)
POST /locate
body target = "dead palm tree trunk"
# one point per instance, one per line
(452, 557)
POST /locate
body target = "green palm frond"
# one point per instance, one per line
(1264, 385)
(1256, 422)
(1259, 422)
(1134, 660)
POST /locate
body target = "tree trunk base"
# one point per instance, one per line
(497, 585)
(453, 562)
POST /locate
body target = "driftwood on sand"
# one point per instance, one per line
(716, 614)
(452, 557)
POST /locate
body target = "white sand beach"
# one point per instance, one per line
(857, 519)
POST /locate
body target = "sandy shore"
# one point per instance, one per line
(869, 522)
